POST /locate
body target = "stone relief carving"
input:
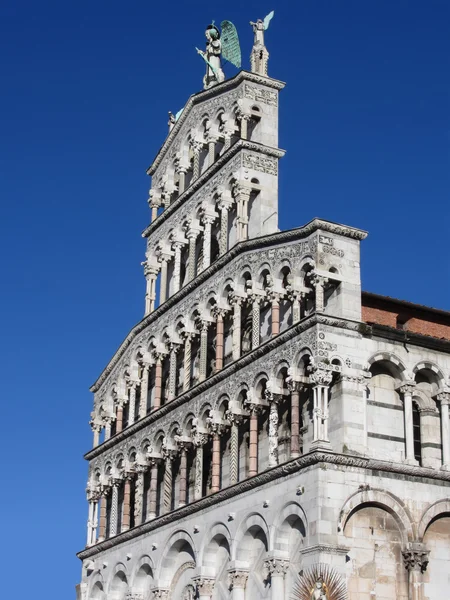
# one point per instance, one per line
(264, 164)
(258, 94)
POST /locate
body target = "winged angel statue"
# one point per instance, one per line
(219, 44)
(260, 27)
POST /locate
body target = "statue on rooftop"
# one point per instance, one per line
(211, 56)
(260, 56)
(226, 45)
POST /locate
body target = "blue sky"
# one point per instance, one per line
(85, 90)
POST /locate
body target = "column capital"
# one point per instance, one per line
(407, 387)
(443, 397)
(160, 594)
(234, 418)
(416, 557)
(242, 190)
(200, 438)
(238, 578)
(276, 566)
(321, 377)
(205, 585)
(196, 144)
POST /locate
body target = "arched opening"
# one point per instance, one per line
(437, 541)
(253, 550)
(376, 567)
(119, 586)
(385, 413)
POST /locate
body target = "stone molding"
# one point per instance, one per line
(200, 97)
(268, 476)
(280, 238)
(325, 549)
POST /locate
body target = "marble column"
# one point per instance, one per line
(126, 503)
(183, 475)
(96, 429)
(295, 418)
(139, 495)
(211, 151)
(173, 371)
(203, 350)
(154, 206)
(132, 403)
(244, 119)
(224, 207)
(215, 480)
(237, 312)
(407, 391)
(416, 559)
(253, 444)
(207, 224)
(167, 483)
(444, 398)
(321, 379)
(236, 420)
(144, 390)
(199, 440)
(319, 283)
(192, 237)
(219, 339)
(187, 362)
(238, 581)
(297, 307)
(107, 425)
(119, 418)
(153, 489)
(181, 180)
(256, 323)
(163, 288)
(102, 523)
(275, 315)
(158, 382)
(151, 273)
(177, 266)
(242, 196)
(92, 522)
(277, 569)
(196, 149)
(273, 433)
(114, 507)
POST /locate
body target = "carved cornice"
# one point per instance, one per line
(246, 486)
(249, 358)
(280, 238)
(219, 164)
(205, 95)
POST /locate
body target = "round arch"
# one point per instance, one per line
(282, 525)
(179, 549)
(440, 508)
(252, 521)
(381, 499)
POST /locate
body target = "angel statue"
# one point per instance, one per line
(319, 591)
(226, 45)
(260, 56)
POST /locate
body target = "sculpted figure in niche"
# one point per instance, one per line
(319, 591)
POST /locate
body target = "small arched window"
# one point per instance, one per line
(416, 434)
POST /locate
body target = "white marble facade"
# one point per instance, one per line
(251, 426)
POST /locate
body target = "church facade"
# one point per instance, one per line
(267, 430)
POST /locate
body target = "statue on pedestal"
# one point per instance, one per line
(260, 56)
(211, 56)
(218, 44)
